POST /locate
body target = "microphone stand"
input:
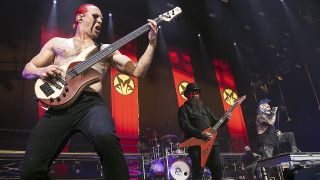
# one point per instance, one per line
(314, 91)
(284, 104)
(276, 134)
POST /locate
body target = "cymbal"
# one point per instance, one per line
(170, 136)
(142, 146)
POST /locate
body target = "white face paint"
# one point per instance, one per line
(92, 22)
(264, 107)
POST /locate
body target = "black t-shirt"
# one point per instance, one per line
(268, 137)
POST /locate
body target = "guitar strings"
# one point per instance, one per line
(93, 59)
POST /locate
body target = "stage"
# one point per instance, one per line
(86, 165)
(289, 163)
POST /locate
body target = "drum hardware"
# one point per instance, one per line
(171, 136)
(155, 149)
(177, 166)
(171, 143)
(166, 160)
(181, 151)
(157, 167)
(158, 151)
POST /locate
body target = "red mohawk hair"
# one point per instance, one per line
(81, 10)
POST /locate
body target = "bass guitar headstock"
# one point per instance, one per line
(170, 15)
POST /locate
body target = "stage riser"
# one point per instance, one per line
(70, 166)
(87, 166)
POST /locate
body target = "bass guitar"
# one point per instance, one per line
(60, 92)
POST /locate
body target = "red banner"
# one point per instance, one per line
(124, 100)
(228, 92)
(182, 71)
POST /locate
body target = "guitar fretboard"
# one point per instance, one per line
(100, 55)
(223, 118)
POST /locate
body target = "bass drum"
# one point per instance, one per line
(179, 170)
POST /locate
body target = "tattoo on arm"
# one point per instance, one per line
(129, 67)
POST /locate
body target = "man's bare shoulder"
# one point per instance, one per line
(58, 40)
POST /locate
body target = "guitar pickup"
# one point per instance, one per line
(46, 89)
(55, 84)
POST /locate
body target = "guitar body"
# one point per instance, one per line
(205, 146)
(64, 94)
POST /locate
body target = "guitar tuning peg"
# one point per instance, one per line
(172, 12)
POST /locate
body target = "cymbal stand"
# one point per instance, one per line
(313, 89)
(158, 151)
(154, 153)
(167, 163)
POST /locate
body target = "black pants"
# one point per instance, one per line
(213, 163)
(88, 116)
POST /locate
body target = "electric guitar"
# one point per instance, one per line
(205, 146)
(60, 92)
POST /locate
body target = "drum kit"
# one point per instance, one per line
(166, 160)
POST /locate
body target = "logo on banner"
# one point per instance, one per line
(230, 96)
(123, 84)
(182, 86)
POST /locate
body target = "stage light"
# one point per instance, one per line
(234, 43)
(110, 29)
(159, 27)
(54, 1)
(279, 77)
(212, 15)
(247, 27)
(199, 35)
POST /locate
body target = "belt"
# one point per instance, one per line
(90, 93)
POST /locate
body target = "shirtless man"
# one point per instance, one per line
(88, 115)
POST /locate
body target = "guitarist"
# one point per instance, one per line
(88, 115)
(193, 118)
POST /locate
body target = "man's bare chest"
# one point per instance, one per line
(66, 53)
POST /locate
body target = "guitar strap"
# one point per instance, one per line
(98, 44)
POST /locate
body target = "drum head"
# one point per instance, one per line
(180, 170)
